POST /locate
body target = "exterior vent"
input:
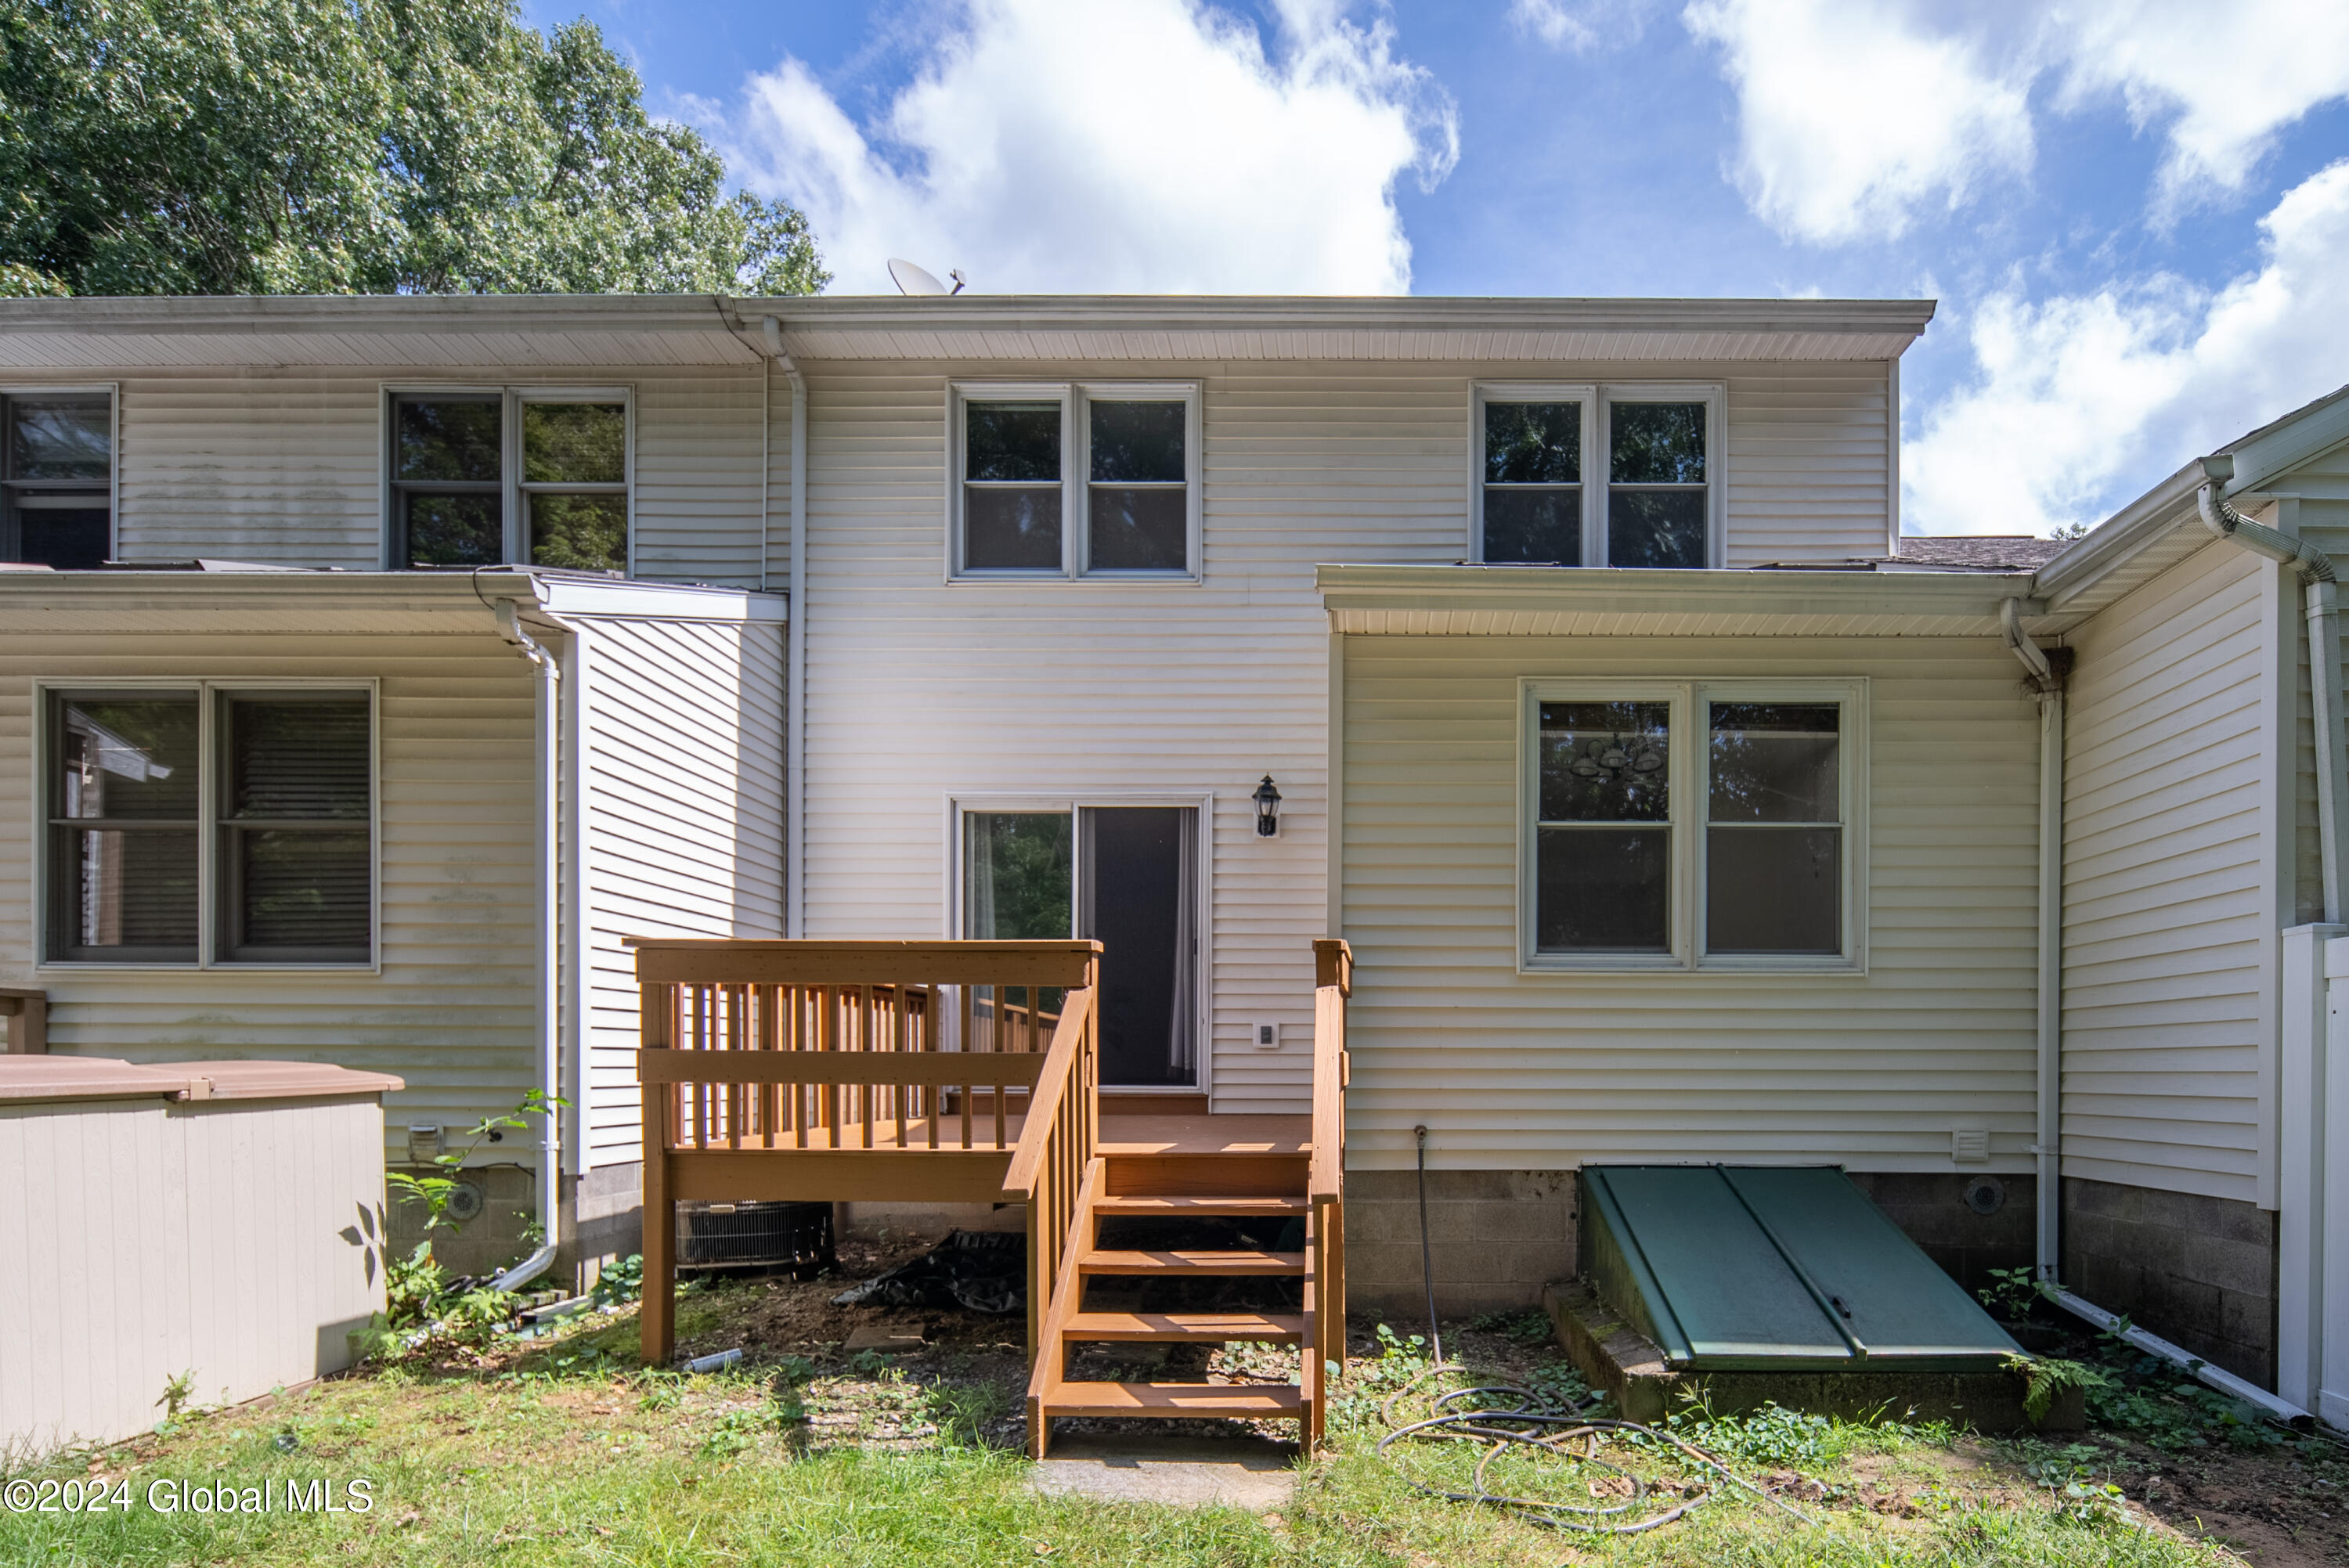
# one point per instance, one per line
(1970, 1145)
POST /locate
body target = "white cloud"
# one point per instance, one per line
(1855, 114)
(1850, 118)
(1582, 25)
(2084, 400)
(1142, 147)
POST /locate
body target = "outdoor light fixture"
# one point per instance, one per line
(1267, 809)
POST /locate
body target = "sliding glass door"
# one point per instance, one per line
(1127, 876)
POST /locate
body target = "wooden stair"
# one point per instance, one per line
(1177, 1186)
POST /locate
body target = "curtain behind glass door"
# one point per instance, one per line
(1018, 876)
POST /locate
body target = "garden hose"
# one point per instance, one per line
(1538, 1423)
(1534, 1422)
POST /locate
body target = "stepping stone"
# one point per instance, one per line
(1254, 1473)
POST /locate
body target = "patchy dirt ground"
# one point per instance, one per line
(2282, 1504)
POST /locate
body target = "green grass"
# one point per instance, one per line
(563, 1457)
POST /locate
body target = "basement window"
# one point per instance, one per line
(1693, 825)
(484, 477)
(1064, 481)
(202, 825)
(1617, 475)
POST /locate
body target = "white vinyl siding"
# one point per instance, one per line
(287, 467)
(1545, 1071)
(919, 691)
(2168, 901)
(683, 823)
(452, 1008)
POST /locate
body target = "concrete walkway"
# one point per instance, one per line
(1254, 1473)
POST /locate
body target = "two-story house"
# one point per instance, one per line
(1563, 656)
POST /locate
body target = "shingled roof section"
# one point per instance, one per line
(1979, 552)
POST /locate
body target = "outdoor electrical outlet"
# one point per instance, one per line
(1268, 1036)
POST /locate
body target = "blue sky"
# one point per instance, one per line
(2134, 213)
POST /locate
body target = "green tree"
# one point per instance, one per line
(355, 146)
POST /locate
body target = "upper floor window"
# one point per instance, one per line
(198, 825)
(482, 478)
(1709, 824)
(57, 467)
(1616, 476)
(1057, 482)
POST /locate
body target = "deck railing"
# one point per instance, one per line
(859, 1070)
(1333, 982)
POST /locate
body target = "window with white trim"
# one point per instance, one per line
(57, 478)
(199, 825)
(1618, 475)
(1679, 824)
(1074, 480)
(486, 476)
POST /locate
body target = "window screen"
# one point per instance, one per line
(1657, 509)
(57, 467)
(1011, 487)
(123, 799)
(1138, 510)
(1603, 837)
(294, 843)
(449, 480)
(1774, 834)
(1532, 483)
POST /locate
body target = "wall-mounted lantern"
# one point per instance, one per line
(1267, 809)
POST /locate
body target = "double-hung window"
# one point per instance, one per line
(1062, 481)
(206, 825)
(1617, 475)
(1692, 824)
(483, 476)
(57, 478)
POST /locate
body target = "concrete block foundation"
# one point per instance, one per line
(2200, 1272)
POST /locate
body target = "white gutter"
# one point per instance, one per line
(550, 1013)
(795, 638)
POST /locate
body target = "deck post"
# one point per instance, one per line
(657, 1318)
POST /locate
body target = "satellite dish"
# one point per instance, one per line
(913, 280)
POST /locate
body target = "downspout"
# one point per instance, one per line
(2315, 570)
(2318, 600)
(795, 638)
(549, 1141)
(2047, 1100)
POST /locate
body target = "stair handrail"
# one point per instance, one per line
(1056, 1146)
(1333, 981)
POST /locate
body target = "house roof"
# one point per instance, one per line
(230, 597)
(1975, 552)
(552, 330)
(2161, 527)
(1551, 601)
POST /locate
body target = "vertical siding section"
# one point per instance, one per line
(2166, 896)
(1810, 452)
(1545, 1071)
(286, 467)
(451, 1008)
(683, 823)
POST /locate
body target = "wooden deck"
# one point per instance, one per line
(970, 1072)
